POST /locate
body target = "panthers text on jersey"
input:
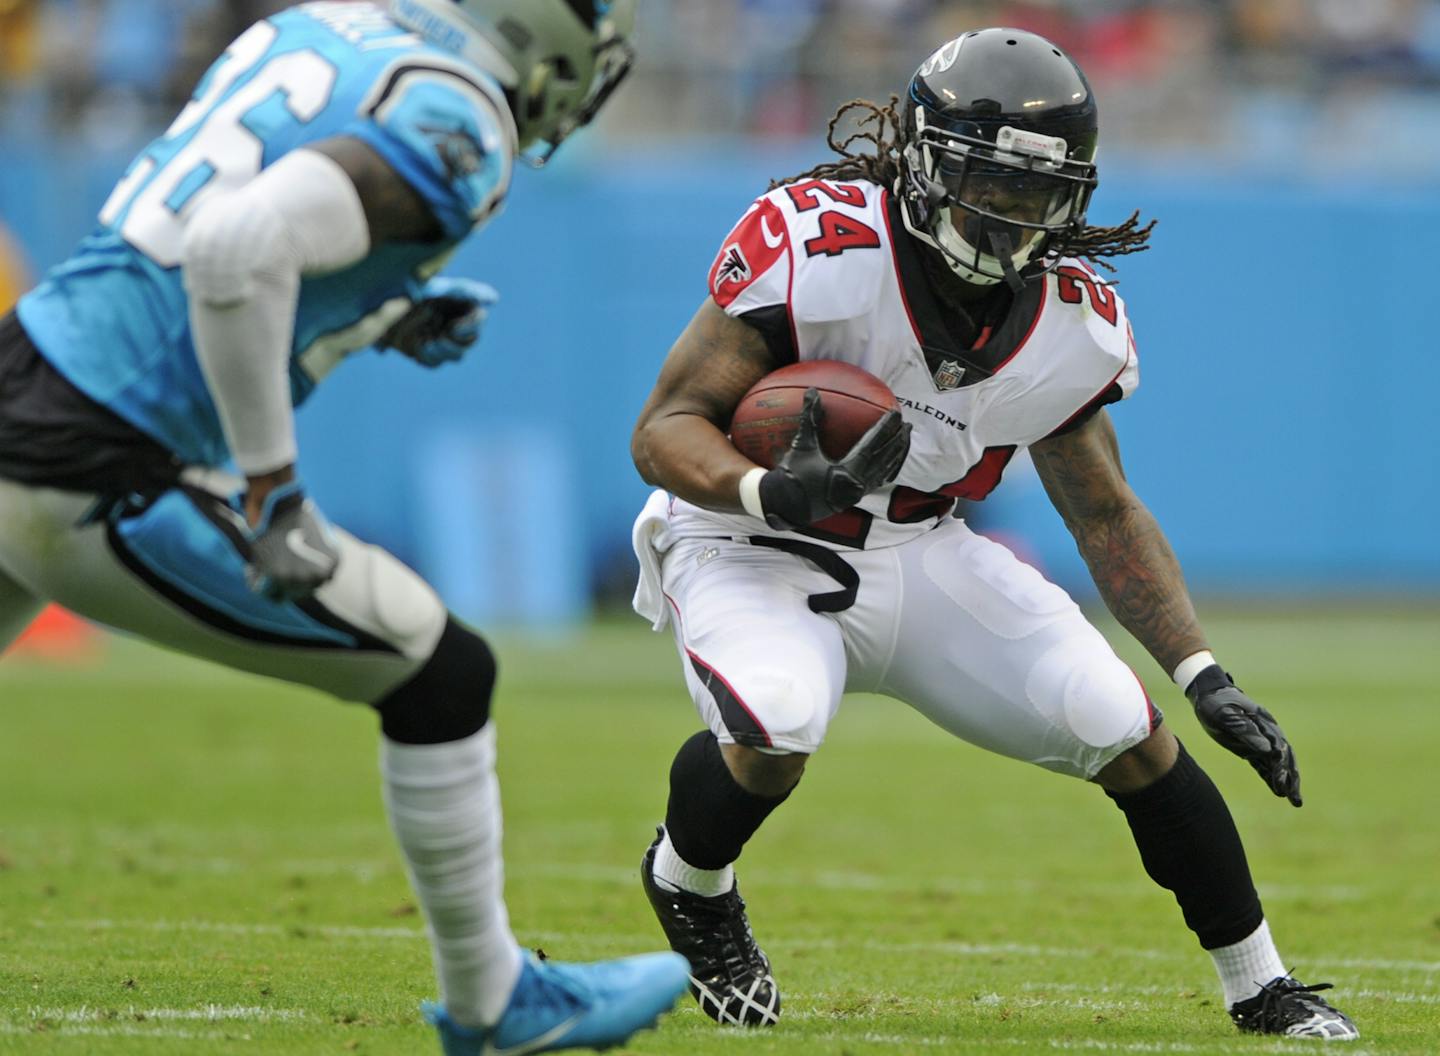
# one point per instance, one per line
(113, 320)
(825, 270)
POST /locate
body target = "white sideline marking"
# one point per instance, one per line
(955, 949)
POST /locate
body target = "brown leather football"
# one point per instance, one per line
(768, 415)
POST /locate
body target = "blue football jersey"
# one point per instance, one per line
(114, 319)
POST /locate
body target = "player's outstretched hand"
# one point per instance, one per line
(1245, 728)
(291, 550)
(444, 322)
(805, 486)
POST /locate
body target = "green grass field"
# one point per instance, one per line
(192, 861)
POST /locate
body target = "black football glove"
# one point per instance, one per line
(805, 486)
(1245, 728)
(291, 550)
(444, 323)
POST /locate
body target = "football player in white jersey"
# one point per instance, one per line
(294, 215)
(953, 262)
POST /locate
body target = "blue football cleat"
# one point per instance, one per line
(571, 1006)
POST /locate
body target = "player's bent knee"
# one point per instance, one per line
(1142, 765)
(448, 698)
(405, 609)
(764, 771)
(790, 707)
(1080, 685)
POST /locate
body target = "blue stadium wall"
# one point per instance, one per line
(1283, 432)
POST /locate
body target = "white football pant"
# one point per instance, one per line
(168, 572)
(951, 623)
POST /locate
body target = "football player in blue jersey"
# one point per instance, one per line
(298, 211)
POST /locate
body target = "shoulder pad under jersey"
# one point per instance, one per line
(446, 129)
(813, 251)
(1098, 342)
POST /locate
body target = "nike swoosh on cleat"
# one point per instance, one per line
(295, 540)
(534, 1044)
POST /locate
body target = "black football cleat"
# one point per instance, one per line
(729, 975)
(1289, 1007)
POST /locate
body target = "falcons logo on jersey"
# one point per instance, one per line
(733, 267)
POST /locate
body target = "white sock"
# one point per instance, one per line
(675, 872)
(1244, 966)
(444, 806)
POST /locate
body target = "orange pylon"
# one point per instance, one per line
(59, 636)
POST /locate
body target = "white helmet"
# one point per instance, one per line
(558, 59)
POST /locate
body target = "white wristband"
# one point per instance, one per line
(750, 492)
(1191, 666)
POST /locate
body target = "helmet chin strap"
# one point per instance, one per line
(1002, 255)
(1003, 246)
(955, 250)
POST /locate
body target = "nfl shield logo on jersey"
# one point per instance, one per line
(948, 375)
(733, 267)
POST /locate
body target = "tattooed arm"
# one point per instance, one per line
(1129, 558)
(1140, 580)
(679, 442)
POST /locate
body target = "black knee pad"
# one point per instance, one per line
(449, 698)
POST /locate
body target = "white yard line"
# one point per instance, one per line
(1401, 997)
(822, 879)
(972, 1044)
(205, 1013)
(954, 949)
(119, 1030)
(339, 931)
(859, 880)
(975, 1000)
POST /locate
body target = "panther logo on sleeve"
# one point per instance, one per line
(459, 150)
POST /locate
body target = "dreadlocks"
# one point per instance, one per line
(884, 130)
(1092, 243)
(881, 127)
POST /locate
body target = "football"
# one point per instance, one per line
(768, 415)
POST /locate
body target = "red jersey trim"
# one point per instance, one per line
(790, 296)
(1039, 311)
(895, 267)
(985, 334)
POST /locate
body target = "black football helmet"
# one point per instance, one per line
(1002, 130)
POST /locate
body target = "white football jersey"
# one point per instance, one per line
(826, 270)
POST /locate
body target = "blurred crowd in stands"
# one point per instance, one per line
(1273, 81)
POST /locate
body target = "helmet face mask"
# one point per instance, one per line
(1000, 162)
(560, 60)
(613, 57)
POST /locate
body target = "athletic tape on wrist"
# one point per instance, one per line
(750, 492)
(1191, 666)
